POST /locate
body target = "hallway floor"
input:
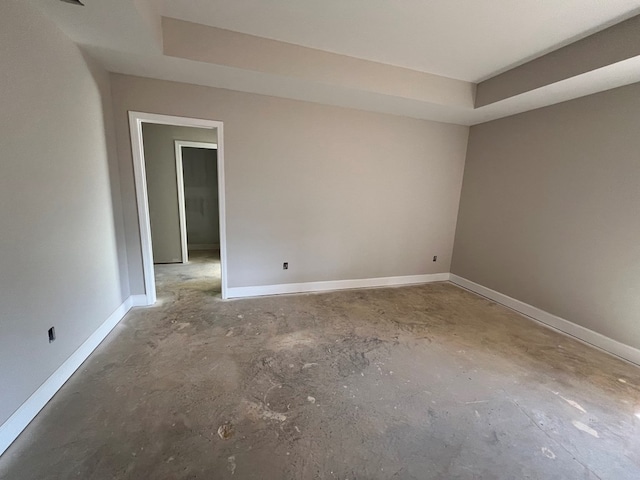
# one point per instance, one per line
(419, 382)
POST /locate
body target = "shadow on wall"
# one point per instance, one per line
(200, 175)
(101, 79)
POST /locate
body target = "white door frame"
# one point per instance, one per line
(179, 144)
(136, 119)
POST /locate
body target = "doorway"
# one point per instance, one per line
(136, 122)
(197, 181)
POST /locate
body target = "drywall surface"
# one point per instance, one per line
(162, 187)
(337, 193)
(549, 211)
(607, 47)
(200, 171)
(207, 44)
(61, 224)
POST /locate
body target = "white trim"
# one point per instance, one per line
(203, 246)
(190, 144)
(136, 119)
(222, 209)
(283, 288)
(578, 332)
(140, 180)
(138, 300)
(18, 421)
(182, 216)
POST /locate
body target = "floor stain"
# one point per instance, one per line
(417, 382)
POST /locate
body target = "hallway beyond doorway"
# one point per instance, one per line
(202, 272)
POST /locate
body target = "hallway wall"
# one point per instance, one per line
(162, 187)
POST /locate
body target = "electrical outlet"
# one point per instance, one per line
(435, 258)
(52, 334)
(285, 266)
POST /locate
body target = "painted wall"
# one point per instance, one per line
(60, 207)
(337, 193)
(162, 187)
(550, 207)
(200, 171)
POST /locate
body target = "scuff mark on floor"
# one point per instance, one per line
(231, 464)
(574, 404)
(259, 411)
(585, 428)
(548, 453)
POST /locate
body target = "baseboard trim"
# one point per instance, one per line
(16, 423)
(284, 288)
(578, 332)
(139, 301)
(203, 246)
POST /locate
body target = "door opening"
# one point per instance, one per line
(197, 181)
(136, 121)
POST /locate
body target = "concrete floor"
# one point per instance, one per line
(414, 382)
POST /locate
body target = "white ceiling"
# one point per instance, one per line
(464, 39)
(121, 25)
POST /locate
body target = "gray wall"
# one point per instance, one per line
(550, 211)
(200, 171)
(338, 193)
(162, 188)
(61, 223)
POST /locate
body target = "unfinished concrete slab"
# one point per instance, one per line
(417, 382)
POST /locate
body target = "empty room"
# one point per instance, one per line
(320, 240)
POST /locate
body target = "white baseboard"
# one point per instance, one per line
(203, 246)
(582, 334)
(260, 290)
(17, 422)
(139, 301)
